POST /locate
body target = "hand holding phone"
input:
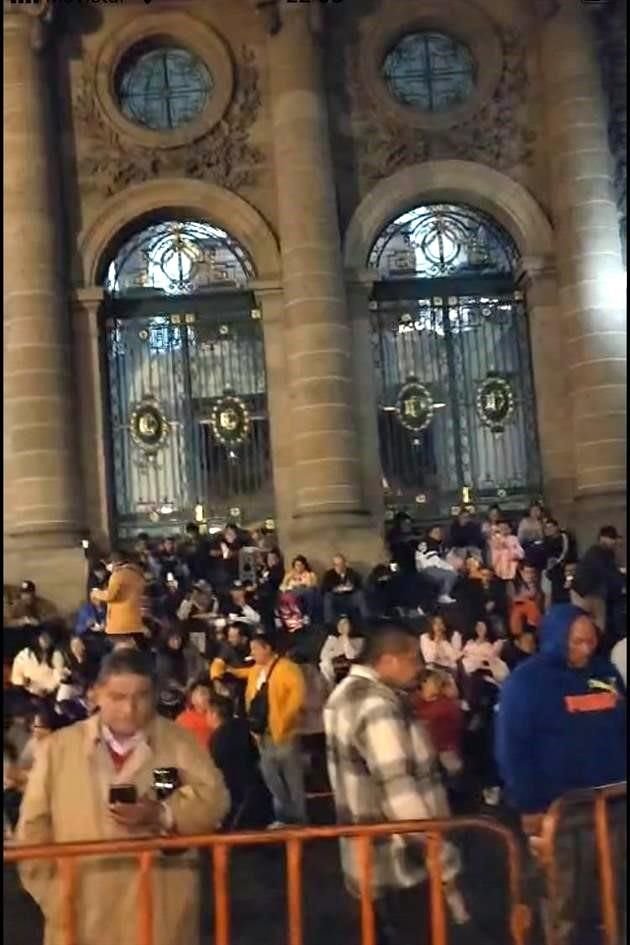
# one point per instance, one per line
(123, 794)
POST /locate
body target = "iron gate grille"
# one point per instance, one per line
(461, 351)
(176, 368)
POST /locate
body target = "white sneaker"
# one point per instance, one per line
(446, 599)
(276, 825)
(491, 796)
(420, 612)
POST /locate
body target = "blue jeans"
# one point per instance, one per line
(444, 580)
(337, 605)
(281, 767)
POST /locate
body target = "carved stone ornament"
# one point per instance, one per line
(270, 15)
(496, 134)
(223, 156)
(40, 15)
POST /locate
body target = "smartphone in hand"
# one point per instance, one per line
(123, 794)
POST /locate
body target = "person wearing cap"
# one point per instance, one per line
(599, 583)
(29, 610)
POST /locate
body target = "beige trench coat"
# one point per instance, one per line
(66, 801)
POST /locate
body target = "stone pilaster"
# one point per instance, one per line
(359, 291)
(590, 266)
(42, 498)
(271, 302)
(90, 386)
(540, 285)
(328, 500)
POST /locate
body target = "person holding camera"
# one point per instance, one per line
(123, 773)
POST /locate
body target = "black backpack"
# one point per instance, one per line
(258, 711)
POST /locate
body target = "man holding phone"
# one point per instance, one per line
(123, 773)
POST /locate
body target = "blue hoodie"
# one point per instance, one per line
(548, 743)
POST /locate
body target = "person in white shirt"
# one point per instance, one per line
(432, 563)
(619, 659)
(440, 647)
(482, 654)
(38, 668)
(339, 648)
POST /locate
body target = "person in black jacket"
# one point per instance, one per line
(599, 584)
(235, 754)
(342, 591)
(466, 535)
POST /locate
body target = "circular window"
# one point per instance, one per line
(161, 87)
(430, 71)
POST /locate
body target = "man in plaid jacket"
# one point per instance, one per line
(382, 767)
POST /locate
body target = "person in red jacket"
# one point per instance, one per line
(436, 704)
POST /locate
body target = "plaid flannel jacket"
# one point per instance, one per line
(382, 767)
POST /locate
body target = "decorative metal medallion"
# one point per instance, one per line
(149, 426)
(495, 402)
(230, 420)
(414, 407)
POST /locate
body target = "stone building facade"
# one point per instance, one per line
(318, 125)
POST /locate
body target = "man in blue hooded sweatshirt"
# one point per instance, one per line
(561, 719)
(561, 726)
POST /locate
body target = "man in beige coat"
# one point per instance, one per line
(68, 799)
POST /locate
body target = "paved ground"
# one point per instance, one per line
(258, 900)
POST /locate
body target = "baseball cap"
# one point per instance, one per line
(609, 531)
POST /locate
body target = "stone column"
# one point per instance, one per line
(590, 267)
(540, 284)
(328, 496)
(41, 482)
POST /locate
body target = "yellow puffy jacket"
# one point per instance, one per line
(286, 693)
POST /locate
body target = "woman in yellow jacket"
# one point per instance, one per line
(123, 596)
(280, 754)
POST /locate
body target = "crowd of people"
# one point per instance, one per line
(267, 665)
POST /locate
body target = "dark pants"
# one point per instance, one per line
(403, 917)
(351, 605)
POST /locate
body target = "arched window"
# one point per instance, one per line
(451, 349)
(187, 384)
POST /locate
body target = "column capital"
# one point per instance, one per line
(37, 18)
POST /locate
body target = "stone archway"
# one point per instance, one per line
(176, 196)
(512, 206)
(139, 205)
(458, 182)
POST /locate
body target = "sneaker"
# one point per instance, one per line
(491, 796)
(420, 612)
(276, 825)
(446, 599)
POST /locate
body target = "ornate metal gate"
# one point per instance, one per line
(455, 394)
(187, 394)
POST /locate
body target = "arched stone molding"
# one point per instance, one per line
(201, 200)
(457, 182)
(510, 204)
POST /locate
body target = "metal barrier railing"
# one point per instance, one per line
(432, 832)
(596, 799)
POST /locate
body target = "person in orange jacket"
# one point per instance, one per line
(123, 596)
(274, 699)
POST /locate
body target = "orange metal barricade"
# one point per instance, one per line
(432, 831)
(597, 800)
